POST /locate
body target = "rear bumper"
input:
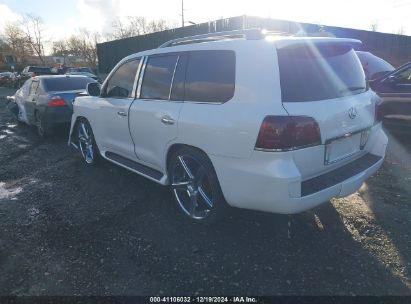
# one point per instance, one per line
(55, 116)
(275, 184)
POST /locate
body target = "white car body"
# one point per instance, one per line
(20, 98)
(226, 132)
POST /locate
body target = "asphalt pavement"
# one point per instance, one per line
(70, 230)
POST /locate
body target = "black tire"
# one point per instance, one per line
(76, 137)
(42, 130)
(199, 162)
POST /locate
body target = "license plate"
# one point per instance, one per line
(342, 148)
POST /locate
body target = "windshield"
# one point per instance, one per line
(67, 83)
(311, 72)
(39, 70)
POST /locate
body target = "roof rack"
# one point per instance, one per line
(247, 34)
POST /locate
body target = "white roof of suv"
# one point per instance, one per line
(238, 37)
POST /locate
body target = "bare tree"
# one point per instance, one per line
(374, 26)
(400, 30)
(17, 41)
(33, 29)
(84, 45)
(60, 48)
(136, 25)
(157, 26)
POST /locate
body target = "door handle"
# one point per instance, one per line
(122, 113)
(167, 120)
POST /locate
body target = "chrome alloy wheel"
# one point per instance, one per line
(191, 187)
(85, 142)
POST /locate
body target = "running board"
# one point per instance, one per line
(157, 175)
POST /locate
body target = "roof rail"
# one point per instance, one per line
(248, 34)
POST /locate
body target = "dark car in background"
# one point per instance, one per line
(80, 69)
(32, 71)
(87, 74)
(374, 66)
(394, 88)
(47, 101)
(5, 78)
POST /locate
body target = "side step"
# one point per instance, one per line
(157, 175)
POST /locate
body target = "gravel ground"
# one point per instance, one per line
(68, 230)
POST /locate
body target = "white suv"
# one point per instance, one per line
(278, 124)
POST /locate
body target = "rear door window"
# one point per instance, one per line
(319, 71)
(158, 77)
(210, 76)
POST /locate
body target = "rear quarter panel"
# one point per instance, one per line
(230, 129)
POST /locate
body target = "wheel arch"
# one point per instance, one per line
(74, 121)
(175, 146)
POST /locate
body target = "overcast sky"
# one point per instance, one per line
(63, 17)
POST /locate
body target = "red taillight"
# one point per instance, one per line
(288, 133)
(56, 102)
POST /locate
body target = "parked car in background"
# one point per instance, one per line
(47, 101)
(374, 66)
(95, 77)
(5, 78)
(80, 69)
(32, 71)
(264, 124)
(395, 90)
(59, 70)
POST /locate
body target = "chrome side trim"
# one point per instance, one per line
(136, 78)
(172, 78)
(286, 150)
(141, 76)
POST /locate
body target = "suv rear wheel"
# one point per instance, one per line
(195, 186)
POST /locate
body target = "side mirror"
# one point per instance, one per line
(94, 89)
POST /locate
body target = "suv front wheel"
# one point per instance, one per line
(86, 142)
(195, 186)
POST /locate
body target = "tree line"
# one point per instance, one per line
(26, 38)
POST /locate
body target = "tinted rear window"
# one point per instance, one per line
(210, 76)
(39, 70)
(318, 72)
(67, 83)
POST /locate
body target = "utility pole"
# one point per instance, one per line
(182, 13)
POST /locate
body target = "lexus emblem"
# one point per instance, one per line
(352, 113)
